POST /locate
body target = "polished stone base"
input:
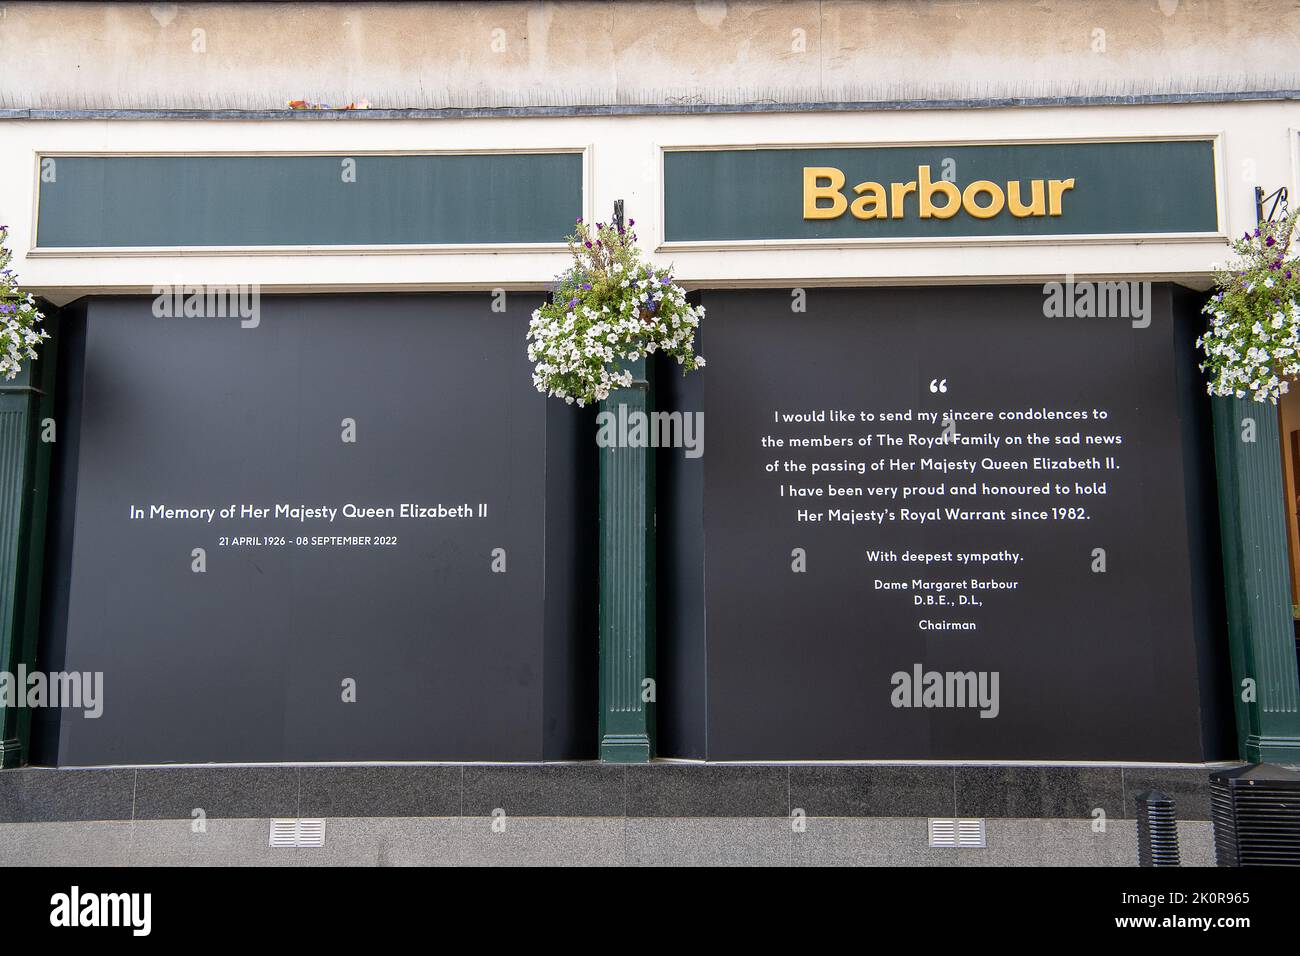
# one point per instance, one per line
(567, 841)
(591, 789)
(668, 813)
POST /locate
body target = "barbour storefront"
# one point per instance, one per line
(949, 493)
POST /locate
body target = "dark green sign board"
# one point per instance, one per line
(1157, 187)
(336, 200)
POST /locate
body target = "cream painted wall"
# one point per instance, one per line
(261, 55)
(1258, 145)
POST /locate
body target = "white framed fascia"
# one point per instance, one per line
(164, 252)
(1215, 137)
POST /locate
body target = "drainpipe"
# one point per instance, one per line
(1257, 576)
(627, 579)
(26, 404)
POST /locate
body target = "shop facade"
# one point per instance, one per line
(959, 504)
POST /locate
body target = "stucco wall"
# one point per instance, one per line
(261, 55)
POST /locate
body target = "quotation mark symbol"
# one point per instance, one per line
(938, 385)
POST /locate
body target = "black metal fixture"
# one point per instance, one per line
(1278, 199)
(1256, 814)
(1157, 829)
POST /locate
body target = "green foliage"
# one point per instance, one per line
(20, 320)
(1251, 345)
(609, 307)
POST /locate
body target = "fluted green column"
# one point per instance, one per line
(1256, 571)
(627, 584)
(24, 486)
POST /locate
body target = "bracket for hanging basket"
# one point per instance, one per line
(1278, 197)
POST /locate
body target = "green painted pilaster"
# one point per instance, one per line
(1256, 570)
(627, 583)
(24, 487)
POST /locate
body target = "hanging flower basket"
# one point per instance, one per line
(20, 320)
(609, 308)
(1252, 347)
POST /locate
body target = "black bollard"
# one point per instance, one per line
(1157, 830)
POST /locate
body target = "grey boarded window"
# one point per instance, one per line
(334, 200)
(1125, 188)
